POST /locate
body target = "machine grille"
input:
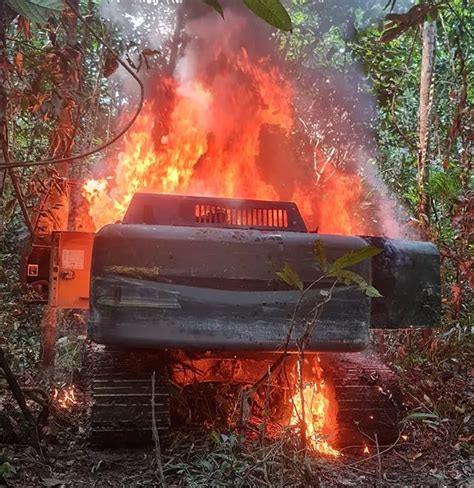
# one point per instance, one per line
(200, 211)
(245, 217)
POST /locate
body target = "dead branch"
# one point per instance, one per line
(247, 395)
(19, 397)
(156, 437)
(379, 459)
(15, 388)
(38, 395)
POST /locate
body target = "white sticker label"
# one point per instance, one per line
(73, 259)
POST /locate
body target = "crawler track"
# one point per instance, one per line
(121, 394)
(368, 398)
(366, 392)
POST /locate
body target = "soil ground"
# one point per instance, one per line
(431, 450)
(199, 461)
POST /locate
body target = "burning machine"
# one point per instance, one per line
(199, 274)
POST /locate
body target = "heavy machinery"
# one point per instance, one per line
(186, 278)
(199, 275)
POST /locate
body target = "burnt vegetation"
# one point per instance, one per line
(359, 112)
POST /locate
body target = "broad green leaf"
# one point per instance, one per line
(349, 277)
(36, 10)
(320, 254)
(271, 11)
(290, 277)
(353, 257)
(372, 292)
(216, 6)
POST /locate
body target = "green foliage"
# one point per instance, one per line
(36, 10)
(320, 255)
(335, 270)
(6, 468)
(353, 257)
(349, 277)
(272, 11)
(444, 186)
(338, 269)
(290, 277)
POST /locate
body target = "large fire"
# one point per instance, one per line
(314, 408)
(224, 125)
(202, 134)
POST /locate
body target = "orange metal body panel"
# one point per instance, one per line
(70, 269)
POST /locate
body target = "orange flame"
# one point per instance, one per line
(204, 137)
(316, 408)
(366, 449)
(65, 398)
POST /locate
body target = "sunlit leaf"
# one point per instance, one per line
(372, 292)
(320, 255)
(353, 257)
(36, 10)
(349, 277)
(290, 277)
(271, 11)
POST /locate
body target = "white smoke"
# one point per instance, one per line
(395, 221)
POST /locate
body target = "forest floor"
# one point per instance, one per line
(434, 447)
(211, 459)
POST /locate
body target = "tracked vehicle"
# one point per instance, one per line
(196, 277)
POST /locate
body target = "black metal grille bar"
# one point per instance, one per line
(158, 209)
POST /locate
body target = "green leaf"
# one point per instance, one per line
(215, 437)
(216, 6)
(320, 254)
(421, 416)
(271, 11)
(290, 277)
(372, 292)
(349, 277)
(6, 469)
(36, 10)
(354, 257)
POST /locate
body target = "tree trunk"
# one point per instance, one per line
(426, 99)
(3, 109)
(62, 143)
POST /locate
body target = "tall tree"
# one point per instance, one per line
(426, 102)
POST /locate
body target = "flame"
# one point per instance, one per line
(366, 449)
(316, 407)
(65, 398)
(203, 136)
